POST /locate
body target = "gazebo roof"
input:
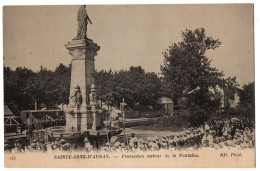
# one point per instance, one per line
(9, 118)
(164, 100)
(7, 111)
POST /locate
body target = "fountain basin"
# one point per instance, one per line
(96, 137)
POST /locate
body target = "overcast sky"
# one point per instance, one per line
(129, 35)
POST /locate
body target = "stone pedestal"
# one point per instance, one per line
(84, 123)
(83, 52)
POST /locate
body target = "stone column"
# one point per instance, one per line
(83, 52)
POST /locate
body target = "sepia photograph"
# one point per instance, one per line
(159, 85)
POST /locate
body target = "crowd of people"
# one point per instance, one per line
(38, 146)
(216, 134)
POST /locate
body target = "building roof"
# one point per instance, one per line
(7, 111)
(164, 100)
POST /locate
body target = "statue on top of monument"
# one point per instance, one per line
(83, 19)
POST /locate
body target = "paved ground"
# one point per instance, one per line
(139, 119)
(139, 133)
(149, 133)
(142, 134)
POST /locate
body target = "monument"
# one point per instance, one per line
(81, 114)
(82, 117)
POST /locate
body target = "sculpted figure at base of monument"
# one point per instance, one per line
(76, 98)
(92, 95)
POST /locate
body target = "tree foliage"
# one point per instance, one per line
(187, 78)
(138, 88)
(246, 105)
(15, 87)
(247, 95)
(187, 73)
(22, 87)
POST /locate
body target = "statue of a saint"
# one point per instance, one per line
(83, 19)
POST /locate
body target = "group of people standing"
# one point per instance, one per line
(216, 134)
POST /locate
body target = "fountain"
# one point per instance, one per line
(83, 119)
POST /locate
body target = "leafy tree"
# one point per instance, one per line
(247, 95)
(103, 82)
(139, 89)
(15, 87)
(186, 72)
(63, 77)
(246, 106)
(231, 82)
(42, 88)
(23, 86)
(52, 88)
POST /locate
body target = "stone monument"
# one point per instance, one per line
(81, 114)
(82, 117)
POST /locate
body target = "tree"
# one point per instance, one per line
(23, 86)
(43, 88)
(51, 88)
(247, 95)
(138, 88)
(62, 77)
(230, 82)
(103, 82)
(15, 88)
(186, 72)
(246, 105)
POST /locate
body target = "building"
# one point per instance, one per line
(11, 121)
(167, 104)
(42, 118)
(230, 97)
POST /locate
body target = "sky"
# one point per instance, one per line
(129, 35)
